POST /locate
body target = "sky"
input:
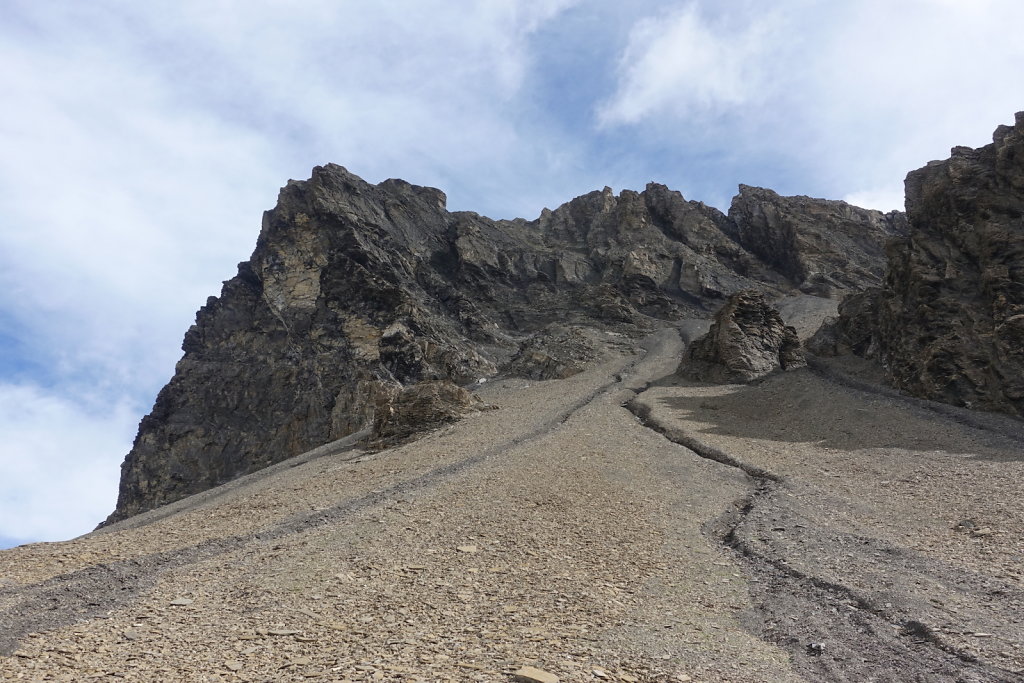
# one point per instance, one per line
(141, 142)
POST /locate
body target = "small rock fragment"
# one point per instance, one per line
(529, 674)
(467, 548)
(181, 602)
(281, 632)
(233, 665)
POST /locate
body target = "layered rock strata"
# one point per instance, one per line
(357, 291)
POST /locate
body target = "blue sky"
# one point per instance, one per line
(142, 141)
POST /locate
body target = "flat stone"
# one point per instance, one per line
(281, 632)
(529, 674)
(233, 665)
(467, 548)
(181, 602)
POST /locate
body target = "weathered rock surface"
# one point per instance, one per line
(852, 330)
(948, 324)
(556, 352)
(826, 248)
(421, 406)
(748, 340)
(355, 291)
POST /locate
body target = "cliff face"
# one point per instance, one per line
(948, 324)
(952, 320)
(355, 291)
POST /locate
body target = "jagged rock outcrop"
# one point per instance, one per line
(357, 291)
(825, 248)
(948, 324)
(748, 340)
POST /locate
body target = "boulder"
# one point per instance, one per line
(747, 340)
(555, 352)
(421, 407)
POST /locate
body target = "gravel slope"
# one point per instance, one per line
(556, 532)
(564, 533)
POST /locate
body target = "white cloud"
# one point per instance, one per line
(841, 98)
(683, 64)
(58, 456)
(884, 199)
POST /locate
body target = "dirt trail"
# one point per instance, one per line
(563, 532)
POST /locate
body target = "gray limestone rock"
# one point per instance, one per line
(555, 352)
(824, 247)
(419, 407)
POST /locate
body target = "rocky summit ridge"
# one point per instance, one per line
(356, 291)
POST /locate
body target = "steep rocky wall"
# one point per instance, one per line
(356, 291)
(951, 324)
(948, 324)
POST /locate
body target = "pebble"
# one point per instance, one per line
(467, 548)
(233, 665)
(181, 602)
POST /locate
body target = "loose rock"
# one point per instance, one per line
(529, 674)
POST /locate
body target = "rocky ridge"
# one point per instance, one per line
(356, 291)
(947, 324)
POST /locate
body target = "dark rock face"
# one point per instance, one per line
(948, 324)
(853, 330)
(357, 291)
(825, 248)
(748, 340)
